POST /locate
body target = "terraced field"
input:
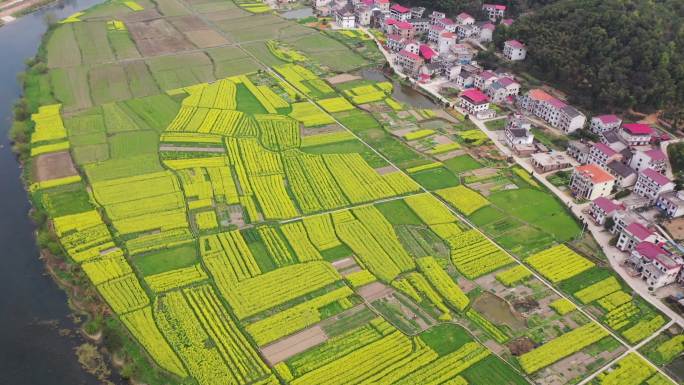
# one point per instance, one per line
(247, 223)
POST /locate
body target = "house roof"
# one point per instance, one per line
(488, 25)
(655, 154)
(446, 21)
(507, 22)
(595, 173)
(464, 16)
(571, 111)
(506, 81)
(498, 7)
(539, 95)
(515, 44)
(408, 54)
(518, 132)
(394, 36)
(620, 169)
(638, 230)
(400, 8)
(557, 103)
(607, 205)
(608, 119)
(638, 128)
(605, 149)
(403, 25)
(436, 27)
(427, 52)
(447, 35)
(390, 21)
(657, 177)
(474, 95)
(382, 1)
(487, 74)
(610, 136)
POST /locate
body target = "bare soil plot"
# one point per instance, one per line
(375, 291)
(53, 166)
(343, 264)
(294, 344)
(206, 38)
(156, 37)
(675, 227)
(386, 170)
(188, 23)
(342, 78)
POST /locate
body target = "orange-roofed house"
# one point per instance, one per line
(591, 181)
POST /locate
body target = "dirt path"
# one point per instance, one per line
(192, 149)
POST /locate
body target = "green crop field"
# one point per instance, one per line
(243, 220)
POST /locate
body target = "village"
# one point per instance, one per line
(613, 174)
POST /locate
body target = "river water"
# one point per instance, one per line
(32, 308)
(401, 92)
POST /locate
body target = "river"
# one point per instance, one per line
(32, 308)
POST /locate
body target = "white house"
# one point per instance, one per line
(603, 208)
(494, 11)
(473, 101)
(636, 134)
(345, 18)
(632, 234)
(464, 18)
(671, 203)
(624, 175)
(445, 41)
(502, 88)
(487, 32)
(409, 62)
(579, 151)
(590, 182)
(653, 158)
(555, 112)
(514, 50)
(650, 184)
(518, 134)
(601, 154)
(658, 267)
(399, 12)
(604, 123)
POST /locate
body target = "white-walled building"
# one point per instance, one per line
(636, 134)
(464, 18)
(514, 50)
(473, 101)
(579, 151)
(399, 12)
(601, 154)
(502, 88)
(603, 208)
(653, 158)
(632, 234)
(494, 11)
(487, 32)
(624, 175)
(604, 123)
(554, 111)
(657, 266)
(590, 182)
(345, 18)
(445, 41)
(671, 203)
(409, 62)
(650, 184)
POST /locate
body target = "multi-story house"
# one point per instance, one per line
(502, 88)
(405, 29)
(434, 16)
(544, 162)
(434, 32)
(399, 12)
(421, 25)
(395, 42)
(417, 12)
(590, 182)
(363, 15)
(604, 123)
(601, 154)
(467, 31)
(409, 62)
(473, 101)
(633, 234)
(345, 17)
(603, 208)
(653, 158)
(658, 266)
(636, 134)
(463, 53)
(445, 42)
(514, 50)
(485, 79)
(464, 18)
(624, 175)
(555, 112)
(579, 151)
(465, 78)
(671, 203)
(650, 184)
(571, 119)
(518, 134)
(426, 52)
(486, 32)
(447, 24)
(494, 11)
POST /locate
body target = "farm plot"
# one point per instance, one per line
(157, 37)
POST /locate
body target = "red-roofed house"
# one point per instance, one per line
(426, 52)
(404, 29)
(485, 79)
(514, 50)
(601, 154)
(473, 101)
(487, 32)
(657, 266)
(395, 42)
(464, 18)
(434, 32)
(671, 203)
(553, 111)
(603, 208)
(636, 134)
(399, 12)
(494, 11)
(653, 158)
(633, 234)
(603, 123)
(409, 62)
(590, 182)
(507, 22)
(445, 41)
(650, 184)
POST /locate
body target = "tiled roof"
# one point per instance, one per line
(498, 7)
(507, 22)
(488, 26)
(404, 25)
(474, 95)
(638, 230)
(539, 95)
(515, 44)
(595, 173)
(400, 8)
(608, 119)
(656, 252)
(427, 52)
(638, 128)
(463, 16)
(447, 35)
(605, 149)
(655, 176)
(655, 154)
(606, 204)
(620, 169)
